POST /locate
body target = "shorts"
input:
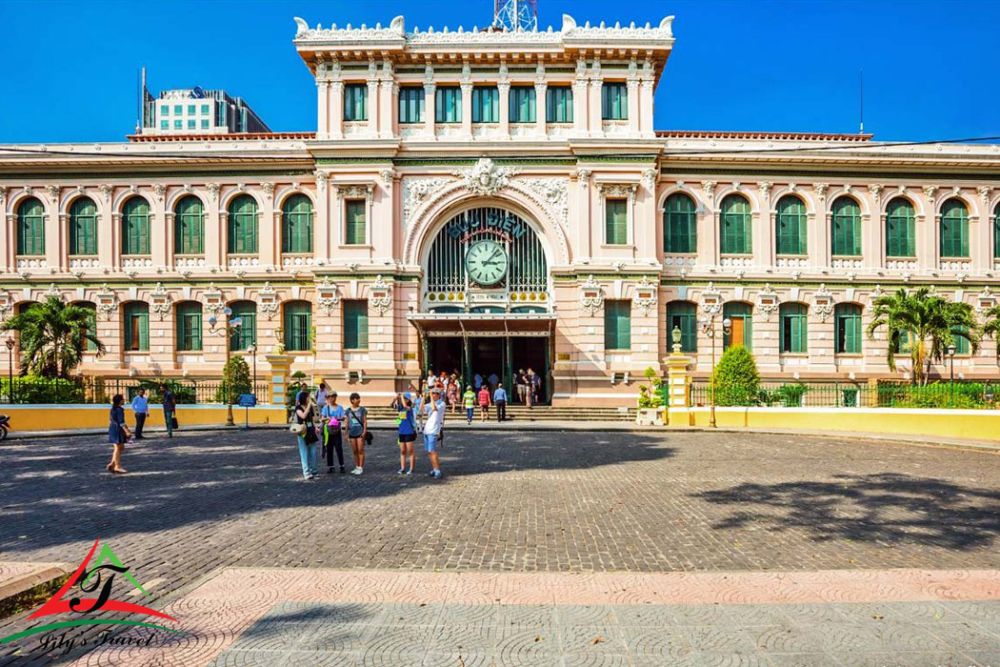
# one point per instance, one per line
(408, 437)
(430, 442)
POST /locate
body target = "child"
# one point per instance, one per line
(484, 402)
(407, 435)
(469, 400)
(333, 425)
(357, 430)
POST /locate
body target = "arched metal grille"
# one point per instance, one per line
(527, 276)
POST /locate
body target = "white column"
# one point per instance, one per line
(504, 88)
(596, 125)
(373, 101)
(981, 235)
(336, 110)
(581, 105)
(429, 89)
(541, 107)
(467, 110)
(322, 110)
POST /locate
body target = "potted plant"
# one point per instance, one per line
(650, 404)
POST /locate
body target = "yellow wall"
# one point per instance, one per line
(961, 424)
(59, 417)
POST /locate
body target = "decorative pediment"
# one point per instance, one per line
(267, 301)
(364, 191)
(768, 301)
(985, 300)
(711, 300)
(327, 296)
(486, 178)
(213, 300)
(159, 301)
(823, 302)
(380, 295)
(107, 301)
(591, 295)
(615, 190)
(645, 296)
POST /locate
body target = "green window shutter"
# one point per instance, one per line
(848, 328)
(83, 227)
(996, 232)
(793, 328)
(683, 315)
(135, 227)
(297, 225)
(614, 101)
(136, 317)
(846, 232)
(485, 104)
(91, 326)
(559, 104)
(616, 221)
(617, 325)
(354, 218)
(189, 227)
(954, 229)
(31, 227)
(242, 225)
(680, 224)
(188, 316)
(791, 223)
(961, 344)
(735, 223)
(355, 324)
(448, 104)
(247, 333)
(743, 312)
(298, 326)
(900, 229)
(411, 104)
(356, 101)
(522, 104)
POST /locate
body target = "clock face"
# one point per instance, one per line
(486, 262)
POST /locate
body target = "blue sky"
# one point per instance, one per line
(930, 68)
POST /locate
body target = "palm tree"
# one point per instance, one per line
(928, 322)
(992, 325)
(53, 336)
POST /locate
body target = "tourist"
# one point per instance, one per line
(432, 430)
(333, 432)
(321, 395)
(534, 382)
(500, 399)
(169, 409)
(357, 432)
(521, 387)
(407, 435)
(140, 406)
(469, 400)
(494, 381)
(117, 434)
(453, 393)
(477, 382)
(305, 415)
(484, 403)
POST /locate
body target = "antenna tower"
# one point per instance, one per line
(515, 15)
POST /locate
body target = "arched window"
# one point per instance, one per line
(791, 226)
(680, 224)
(135, 320)
(682, 315)
(793, 331)
(242, 227)
(734, 222)
(91, 327)
(296, 224)
(954, 229)
(900, 229)
(740, 315)
(189, 227)
(31, 227)
(847, 328)
(188, 315)
(135, 227)
(246, 335)
(846, 231)
(298, 326)
(83, 227)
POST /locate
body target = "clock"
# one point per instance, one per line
(486, 262)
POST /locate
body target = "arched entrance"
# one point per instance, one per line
(486, 299)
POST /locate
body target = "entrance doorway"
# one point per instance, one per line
(486, 355)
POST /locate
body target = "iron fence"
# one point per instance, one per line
(91, 390)
(958, 395)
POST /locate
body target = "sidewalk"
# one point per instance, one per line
(986, 446)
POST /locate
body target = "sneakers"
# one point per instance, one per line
(436, 474)
(342, 470)
(409, 472)
(401, 471)
(430, 473)
(357, 471)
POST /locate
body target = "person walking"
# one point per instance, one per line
(432, 430)
(117, 434)
(305, 415)
(520, 387)
(500, 400)
(321, 395)
(469, 401)
(140, 406)
(407, 435)
(357, 432)
(484, 403)
(169, 409)
(454, 390)
(477, 382)
(494, 380)
(333, 432)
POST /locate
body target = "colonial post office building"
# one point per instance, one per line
(486, 201)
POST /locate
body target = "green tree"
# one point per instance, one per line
(736, 380)
(53, 337)
(992, 325)
(235, 381)
(927, 322)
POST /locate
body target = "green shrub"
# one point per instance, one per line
(790, 395)
(33, 389)
(651, 396)
(235, 374)
(736, 379)
(183, 393)
(958, 395)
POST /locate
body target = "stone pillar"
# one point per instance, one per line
(322, 110)
(580, 103)
(336, 111)
(541, 107)
(596, 124)
(467, 109)
(678, 413)
(504, 88)
(429, 89)
(373, 101)
(633, 104)
(281, 365)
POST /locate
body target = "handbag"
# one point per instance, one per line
(368, 437)
(297, 429)
(173, 422)
(310, 436)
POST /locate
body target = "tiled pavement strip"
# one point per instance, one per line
(587, 505)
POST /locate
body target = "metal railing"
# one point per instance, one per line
(92, 390)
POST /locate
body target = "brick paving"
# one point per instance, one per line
(511, 502)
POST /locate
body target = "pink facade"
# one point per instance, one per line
(381, 190)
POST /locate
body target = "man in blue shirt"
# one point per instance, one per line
(140, 406)
(500, 400)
